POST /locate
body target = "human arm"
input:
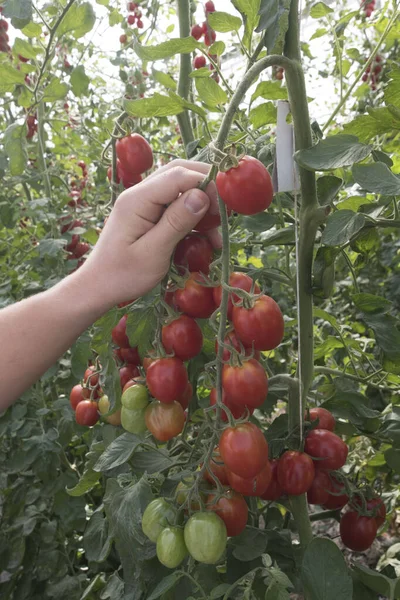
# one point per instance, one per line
(131, 256)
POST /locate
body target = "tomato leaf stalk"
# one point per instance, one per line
(184, 82)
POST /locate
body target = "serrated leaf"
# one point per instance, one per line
(55, 90)
(32, 30)
(270, 90)
(263, 114)
(164, 79)
(392, 90)
(210, 92)
(378, 121)
(89, 478)
(15, 147)
(118, 452)
(152, 461)
(79, 81)
(377, 178)
(78, 21)
(369, 303)
(25, 49)
(333, 152)
(166, 49)
(224, 22)
(341, 227)
(324, 572)
(9, 78)
(157, 105)
(249, 10)
(319, 10)
(274, 20)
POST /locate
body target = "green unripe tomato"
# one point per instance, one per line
(135, 397)
(171, 547)
(133, 420)
(205, 537)
(158, 515)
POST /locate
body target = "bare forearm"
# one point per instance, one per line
(44, 326)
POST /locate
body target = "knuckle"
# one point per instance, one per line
(175, 222)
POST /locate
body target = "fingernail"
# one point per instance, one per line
(195, 202)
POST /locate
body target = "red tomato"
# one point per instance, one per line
(195, 253)
(295, 472)
(164, 421)
(118, 334)
(92, 393)
(91, 380)
(245, 384)
(262, 326)
(86, 413)
(232, 509)
(147, 362)
(357, 532)
(167, 379)
(130, 356)
(186, 397)
(197, 32)
(76, 396)
(326, 420)
(128, 178)
(195, 299)
(376, 506)
(238, 280)
(232, 339)
(71, 224)
(80, 249)
(336, 498)
(135, 153)
(319, 490)
(73, 243)
(208, 222)
(256, 486)
(327, 447)
(274, 490)
(126, 373)
(237, 411)
(183, 337)
(247, 188)
(244, 449)
(217, 467)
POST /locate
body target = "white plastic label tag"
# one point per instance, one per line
(285, 170)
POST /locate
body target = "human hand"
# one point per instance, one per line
(134, 250)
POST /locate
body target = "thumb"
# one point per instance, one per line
(179, 219)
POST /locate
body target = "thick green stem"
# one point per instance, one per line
(299, 510)
(184, 72)
(41, 150)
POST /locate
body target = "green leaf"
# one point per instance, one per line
(264, 114)
(32, 30)
(377, 122)
(165, 79)
(152, 461)
(386, 333)
(324, 271)
(333, 152)
(320, 10)
(392, 90)
(224, 22)
(270, 90)
(9, 78)
(389, 588)
(274, 20)
(166, 49)
(118, 452)
(79, 81)
(210, 92)
(260, 222)
(353, 203)
(15, 147)
(140, 328)
(249, 10)
(154, 106)
(89, 478)
(324, 572)
(319, 33)
(392, 458)
(355, 408)
(18, 9)
(78, 21)
(328, 187)
(369, 303)
(377, 178)
(164, 585)
(96, 540)
(25, 49)
(284, 236)
(250, 544)
(55, 90)
(80, 355)
(342, 226)
(319, 313)
(217, 48)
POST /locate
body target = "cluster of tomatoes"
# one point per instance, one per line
(134, 157)
(204, 30)
(75, 247)
(77, 186)
(373, 72)
(135, 15)
(4, 39)
(368, 7)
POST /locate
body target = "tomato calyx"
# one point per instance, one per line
(231, 159)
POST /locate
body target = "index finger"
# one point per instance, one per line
(192, 165)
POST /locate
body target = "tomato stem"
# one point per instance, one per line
(184, 83)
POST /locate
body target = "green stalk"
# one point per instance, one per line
(185, 126)
(41, 150)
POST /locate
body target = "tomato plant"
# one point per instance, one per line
(238, 280)
(158, 515)
(182, 337)
(196, 298)
(295, 472)
(325, 419)
(164, 421)
(245, 384)
(357, 532)
(171, 548)
(167, 379)
(134, 153)
(255, 486)
(244, 449)
(205, 537)
(194, 253)
(232, 509)
(328, 450)
(261, 326)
